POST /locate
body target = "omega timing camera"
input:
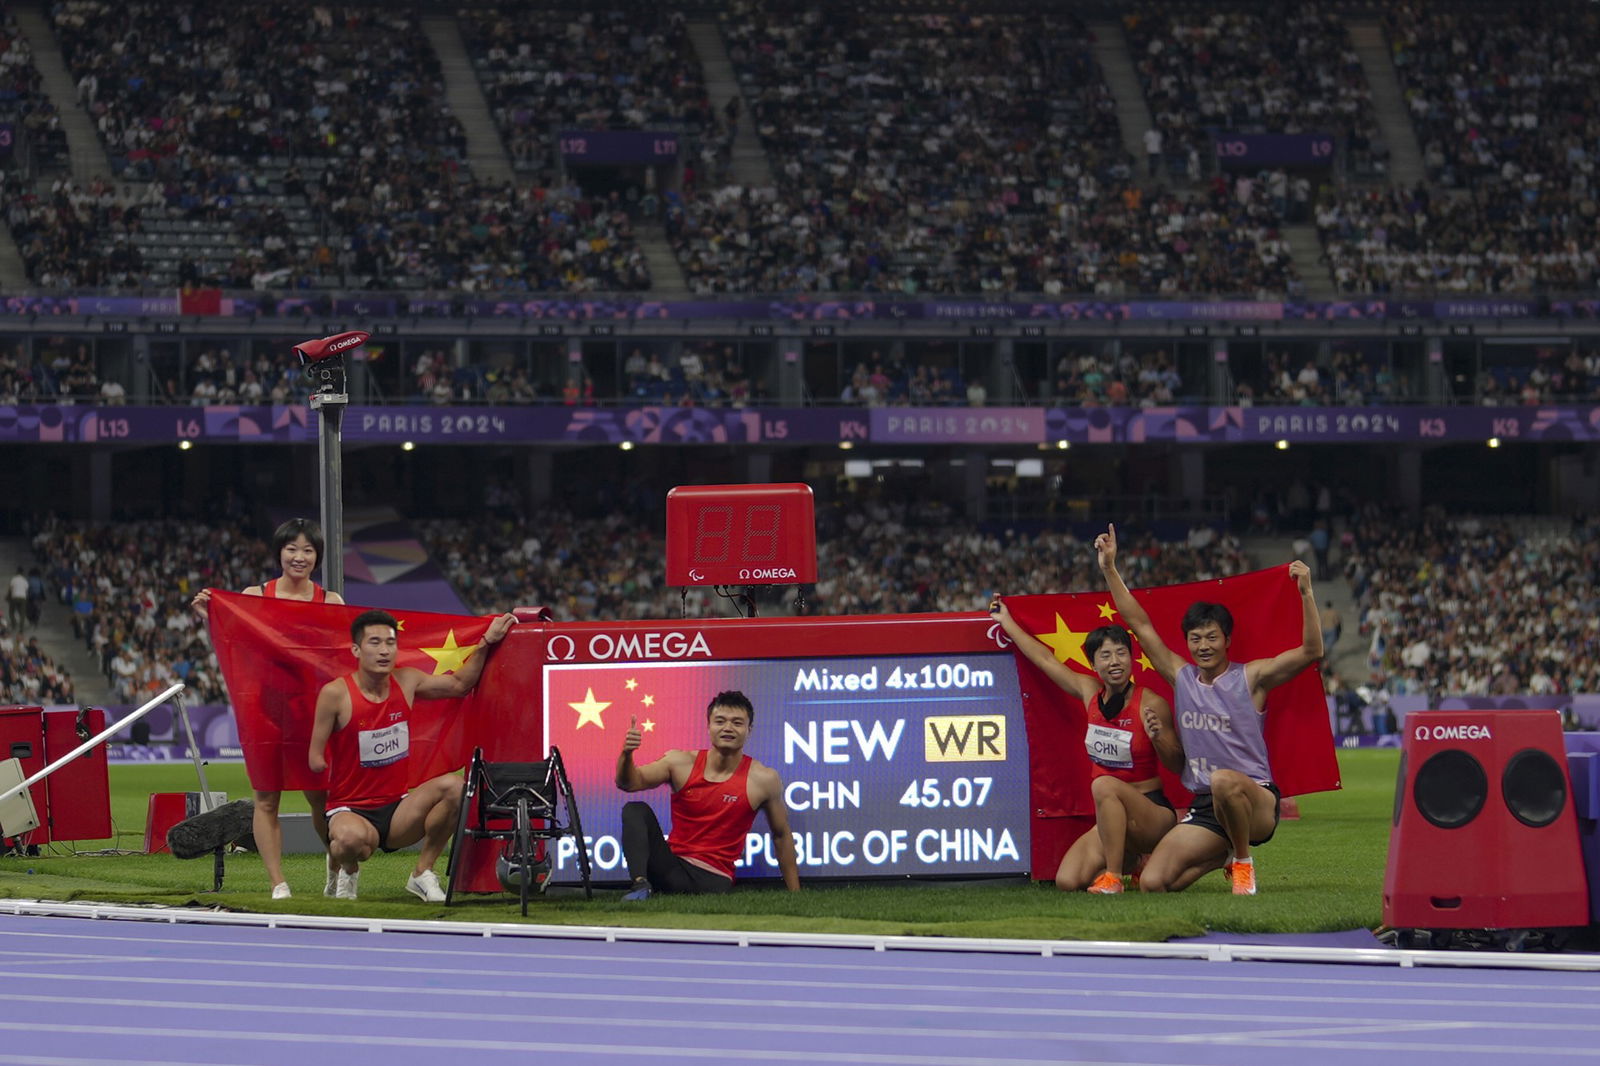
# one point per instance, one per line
(323, 362)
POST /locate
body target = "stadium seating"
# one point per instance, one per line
(294, 148)
(1477, 606)
(620, 67)
(1531, 584)
(1216, 67)
(916, 148)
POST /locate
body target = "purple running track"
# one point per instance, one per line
(87, 991)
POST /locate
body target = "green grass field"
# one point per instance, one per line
(1322, 872)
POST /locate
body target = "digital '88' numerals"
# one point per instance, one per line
(713, 536)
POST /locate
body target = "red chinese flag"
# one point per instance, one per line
(200, 301)
(277, 654)
(1267, 620)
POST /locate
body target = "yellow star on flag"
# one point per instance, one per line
(1107, 611)
(452, 656)
(648, 725)
(630, 684)
(1067, 645)
(648, 701)
(589, 710)
(1144, 661)
(399, 625)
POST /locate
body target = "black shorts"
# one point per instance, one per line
(1159, 798)
(1202, 814)
(380, 817)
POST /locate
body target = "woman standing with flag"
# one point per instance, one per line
(1128, 729)
(298, 544)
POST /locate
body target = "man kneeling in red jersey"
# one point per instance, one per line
(363, 731)
(715, 795)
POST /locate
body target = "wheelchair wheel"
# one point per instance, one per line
(523, 844)
(467, 792)
(577, 838)
(558, 769)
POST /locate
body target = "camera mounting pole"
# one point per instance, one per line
(323, 361)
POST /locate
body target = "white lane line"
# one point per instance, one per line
(742, 1000)
(11, 1059)
(612, 1054)
(458, 1045)
(461, 1044)
(1354, 1028)
(1085, 990)
(1211, 951)
(1318, 1023)
(1066, 966)
(1396, 1051)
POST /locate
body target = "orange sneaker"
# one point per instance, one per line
(1107, 884)
(1138, 870)
(1243, 876)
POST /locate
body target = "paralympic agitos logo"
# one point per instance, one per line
(604, 647)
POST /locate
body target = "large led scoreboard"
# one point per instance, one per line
(900, 738)
(893, 763)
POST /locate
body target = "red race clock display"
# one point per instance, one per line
(741, 535)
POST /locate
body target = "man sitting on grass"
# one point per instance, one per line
(715, 795)
(363, 733)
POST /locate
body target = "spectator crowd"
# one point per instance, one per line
(1465, 606)
(622, 67)
(24, 104)
(1502, 104)
(1504, 112)
(711, 373)
(1444, 606)
(1086, 379)
(1111, 240)
(1209, 68)
(301, 145)
(991, 109)
(917, 149)
(1496, 239)
(873, 558)
(27, 674)
(128, 586)
(52, 374)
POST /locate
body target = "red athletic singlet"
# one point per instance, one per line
(710, 818)
(369, 758)
(318, 593)
(1119, 746)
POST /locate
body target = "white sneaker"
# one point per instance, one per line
(331, 889)
(425, 886)
(281, 890)
(346, 886)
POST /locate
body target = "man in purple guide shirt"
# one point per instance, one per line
(1219, 707)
